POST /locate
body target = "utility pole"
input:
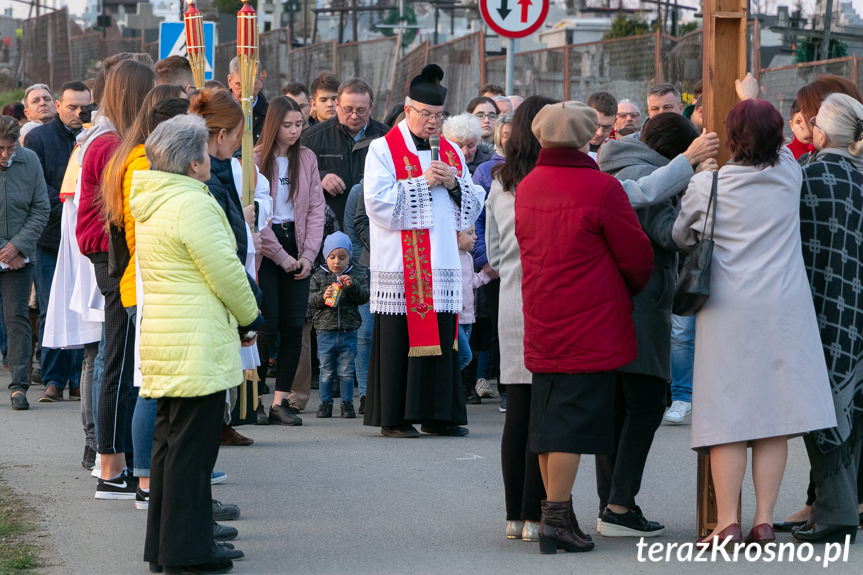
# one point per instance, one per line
(825, 43)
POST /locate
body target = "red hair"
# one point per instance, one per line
(754, 132)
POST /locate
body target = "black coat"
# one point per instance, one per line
(345, 316)
(338, 154)
(259, 114)
(221, 185)
(53, 143)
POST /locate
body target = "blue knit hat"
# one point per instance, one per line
(337, 240)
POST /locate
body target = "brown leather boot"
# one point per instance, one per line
(557, 529)
(578, 530)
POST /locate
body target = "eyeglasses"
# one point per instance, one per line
(630, 114)
(426, 115)
(812, 122)
(358, 111)
(484, 115)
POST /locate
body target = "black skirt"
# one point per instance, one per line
(404, 389)
(572, 412)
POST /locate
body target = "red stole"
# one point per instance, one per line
(423, 336)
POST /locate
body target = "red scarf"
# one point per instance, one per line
(423, 335)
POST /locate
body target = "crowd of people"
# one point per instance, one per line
(524, 250)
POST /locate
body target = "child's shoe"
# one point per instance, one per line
(348, 410)
(325, 410)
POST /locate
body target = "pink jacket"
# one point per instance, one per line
(470, 280)
(308, 211)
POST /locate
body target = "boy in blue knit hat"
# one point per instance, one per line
(336, 289)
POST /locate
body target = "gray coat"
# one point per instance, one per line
(630, 159)
(24, 205)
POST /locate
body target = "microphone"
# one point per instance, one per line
(434, 143)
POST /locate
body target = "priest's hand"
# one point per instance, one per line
(439, 174)
(304, 270)
(249, 215)
(333, 184)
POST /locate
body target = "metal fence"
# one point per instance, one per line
(45, 50)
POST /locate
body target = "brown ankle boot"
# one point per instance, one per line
(557, 529)
(578, 530)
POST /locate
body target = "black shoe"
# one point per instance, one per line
(215, 565)
(123, 486)
(629, 524)
(401, 431)
(224, 511)
(471, 397)
(816, 533)
(227, 551)
(224, 532)
(142, 499)
(19, 401)
(362, 409)
(263, 388)
(348, 410)
(787, 526)
(89, 459)
(283, 414)
(261, 415)
(444, 430)
(325, 410)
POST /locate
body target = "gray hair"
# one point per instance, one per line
(35, 87)
(176, 143)
(840, 117)
(462, 128)
(502, 120)
(234, 66)
(9, 129)
(663, 89)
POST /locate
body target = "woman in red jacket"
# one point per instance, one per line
(583, 256)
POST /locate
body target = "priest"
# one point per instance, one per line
(418, 195)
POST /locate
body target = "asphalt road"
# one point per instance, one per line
(334, 497)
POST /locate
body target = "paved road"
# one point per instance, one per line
(333, 497)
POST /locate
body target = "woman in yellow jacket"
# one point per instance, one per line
(161, 103)
(195, 294)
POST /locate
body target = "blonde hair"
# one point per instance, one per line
(841, 119)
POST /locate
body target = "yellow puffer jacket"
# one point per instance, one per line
(136, 160)
(195, 289)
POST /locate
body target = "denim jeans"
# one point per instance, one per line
(464, 353)
(682, 356)
(59, 366)
(364, 348)
(336, 352)
(143, 420)
(4, 349)
(98, 369)
(15, 287)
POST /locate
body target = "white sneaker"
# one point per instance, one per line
(678, 412)
(97, 467)
(484, 388)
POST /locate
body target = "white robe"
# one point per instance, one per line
(393, 206)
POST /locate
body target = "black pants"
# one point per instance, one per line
(522, 481)
(285, 300)
(185, 447)
(118, 393)
(810, 491)
(835, 477)
(639, 406)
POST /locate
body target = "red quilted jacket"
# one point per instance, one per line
(583, 256)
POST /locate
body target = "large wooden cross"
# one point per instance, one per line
(723, 62)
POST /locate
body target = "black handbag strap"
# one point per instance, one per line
(711, 203)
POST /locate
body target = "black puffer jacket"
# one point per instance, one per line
(345, 316)
(338, 154)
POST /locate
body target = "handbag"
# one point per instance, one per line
(693, 282)
(118, 252)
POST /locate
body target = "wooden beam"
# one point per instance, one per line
(724, 61)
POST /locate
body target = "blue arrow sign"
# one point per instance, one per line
(172, 41)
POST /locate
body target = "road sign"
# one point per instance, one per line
(172, 41)
(514, 18)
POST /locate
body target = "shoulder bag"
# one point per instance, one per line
(693, 282)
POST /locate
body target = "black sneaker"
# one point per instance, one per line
(224, 511)
(348, 410)
(224, 532)
(19, 401)
(325, 410)
(142, 499)
(261, 415)
(227, 551)
(214, 565)
(284, 415)
(121, 487)
(629, 524)
(362, 409)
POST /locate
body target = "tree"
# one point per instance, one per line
(232, 6)
(624, 25)
(684, 29)
(809, 50)
(409, 18)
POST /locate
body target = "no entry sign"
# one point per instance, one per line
(514, 18)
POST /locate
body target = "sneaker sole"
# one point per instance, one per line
(613, 530)
(107, 495)
(142, 505)
(220, 479)
(674, 422)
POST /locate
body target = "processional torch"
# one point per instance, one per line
(247, 59)
(194, 21)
